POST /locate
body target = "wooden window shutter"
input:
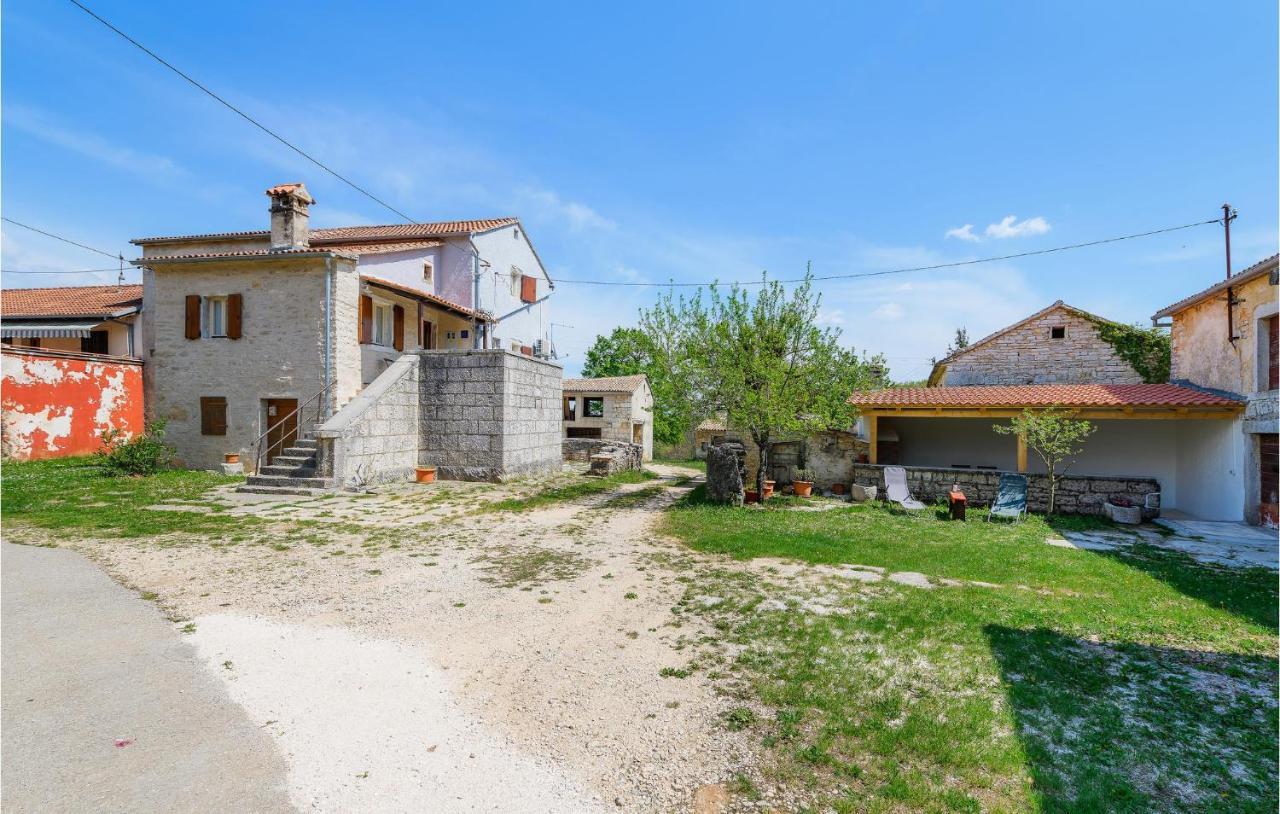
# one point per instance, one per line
(526, 350)
(397, 321)
(235, 303)
(193, 316)
(213, 415)
(366, 319)
(528, 288)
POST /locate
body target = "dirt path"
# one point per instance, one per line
(514, 652)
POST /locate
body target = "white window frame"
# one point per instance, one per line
(216, 311)
(429, 274)
(384, 324)
(516, 274)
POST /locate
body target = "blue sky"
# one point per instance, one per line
(642, 142)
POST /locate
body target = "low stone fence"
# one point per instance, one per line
(374, 437)
(621, 456)
(1077, 494)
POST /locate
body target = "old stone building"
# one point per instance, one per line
(613, 408)
(251, 340)
(1225, 338)
(1058, 345)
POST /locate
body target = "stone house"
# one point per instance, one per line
(1225, 339)
(613, 408)
(1057, 345)
(253, 340)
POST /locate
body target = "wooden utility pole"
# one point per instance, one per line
(1228, 215)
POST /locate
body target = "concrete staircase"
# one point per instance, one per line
(293, 472)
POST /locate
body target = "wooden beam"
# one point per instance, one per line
(872, 434)
(1022, 453)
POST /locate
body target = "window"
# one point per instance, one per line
(583, 432)
(464, 334)
(570, 408)
(213, 415)
(428, 273)
(1058, 332)
(216, 316)
(528, 289)
(515, 281)
(383, 324)
(594, 407)
(95, 342)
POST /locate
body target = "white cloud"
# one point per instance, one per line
(964, 233)
(1012, 227)
(38, 124)
(889, 311)
(830, 316)
(577, 216)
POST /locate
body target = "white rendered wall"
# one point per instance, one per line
(1210, 469)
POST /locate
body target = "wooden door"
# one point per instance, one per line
(428, 335)
(637, 433)
(1269, 478)
(282, 425)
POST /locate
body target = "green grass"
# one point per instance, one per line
(578, 488)
(1134, 681)
(687, 463)
(76, 494)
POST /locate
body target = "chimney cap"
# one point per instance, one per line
(297, 190)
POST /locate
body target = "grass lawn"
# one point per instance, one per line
(1085, 681)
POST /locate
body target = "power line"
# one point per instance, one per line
(63, 239)
(934, 267)
(77, 271)
(244, 115)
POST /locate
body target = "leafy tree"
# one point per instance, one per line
(1054, 436)
(625, 352)
(960, 342)
(654, 351)
(764, 361)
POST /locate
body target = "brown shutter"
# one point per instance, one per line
(526, 350)
(193, 316)
(235, 303)
(528, 288)
(213, 415)
(397, 321)
(366, 319)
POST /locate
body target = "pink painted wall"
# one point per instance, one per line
(55, 403)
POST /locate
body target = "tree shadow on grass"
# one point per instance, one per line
(1125, 727)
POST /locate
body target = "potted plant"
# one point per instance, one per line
(837, 488)
(231, 458)
(751, 496)
(425, 474)
(768, 489)
(803, 483)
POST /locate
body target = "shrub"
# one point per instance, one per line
(143, 454)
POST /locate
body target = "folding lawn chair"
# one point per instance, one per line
(1011, 500)
(895, 488)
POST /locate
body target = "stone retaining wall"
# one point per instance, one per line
(626, 455)
(1077, 494)
(374, 437)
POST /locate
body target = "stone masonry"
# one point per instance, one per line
(489, 414)
(1028, 354)
(375, 437)
(1077, 494)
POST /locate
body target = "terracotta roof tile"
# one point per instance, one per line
(240, 253)
(1256, 270)
(716, 423)
(607, 384)
(69, 301)
(354, 234)
(1043, 395)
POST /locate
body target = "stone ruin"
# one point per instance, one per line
(726, 472)
(605, 457)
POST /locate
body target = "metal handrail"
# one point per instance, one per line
(260, 451)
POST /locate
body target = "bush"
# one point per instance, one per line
(144, 454)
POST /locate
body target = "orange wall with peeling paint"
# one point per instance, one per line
(54, 404)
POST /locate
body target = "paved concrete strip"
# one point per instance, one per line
(87, 663)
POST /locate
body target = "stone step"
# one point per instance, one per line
(297, 452)
(304, 470)
(288, 480)
(306, 443)
(283, 490)
(293, 460)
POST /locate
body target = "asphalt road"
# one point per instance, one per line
(86, 664)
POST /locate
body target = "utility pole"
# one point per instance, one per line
(1228, 215)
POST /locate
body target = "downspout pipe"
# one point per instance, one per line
(328, 329)
(475, 293)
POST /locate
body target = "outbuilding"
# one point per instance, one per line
(611, 408)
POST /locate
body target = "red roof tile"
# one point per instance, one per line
(354, 234)
(239, 253)
(1043, 395)
(606, 384)
(69, 301)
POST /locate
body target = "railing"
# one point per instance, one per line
(262, 450)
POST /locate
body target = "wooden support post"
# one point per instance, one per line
(872, 433)
(1022, 454)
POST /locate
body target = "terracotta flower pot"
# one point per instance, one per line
(231, 458)
(837, 488)
(425, 474)
(751, 496)
(804, 488)
(768, 488)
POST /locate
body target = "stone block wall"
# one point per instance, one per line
(1077, 494)
(1028, 355)
(489, 414)
(625, 455)
(375, 437)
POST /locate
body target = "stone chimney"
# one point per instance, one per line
(289, 228)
